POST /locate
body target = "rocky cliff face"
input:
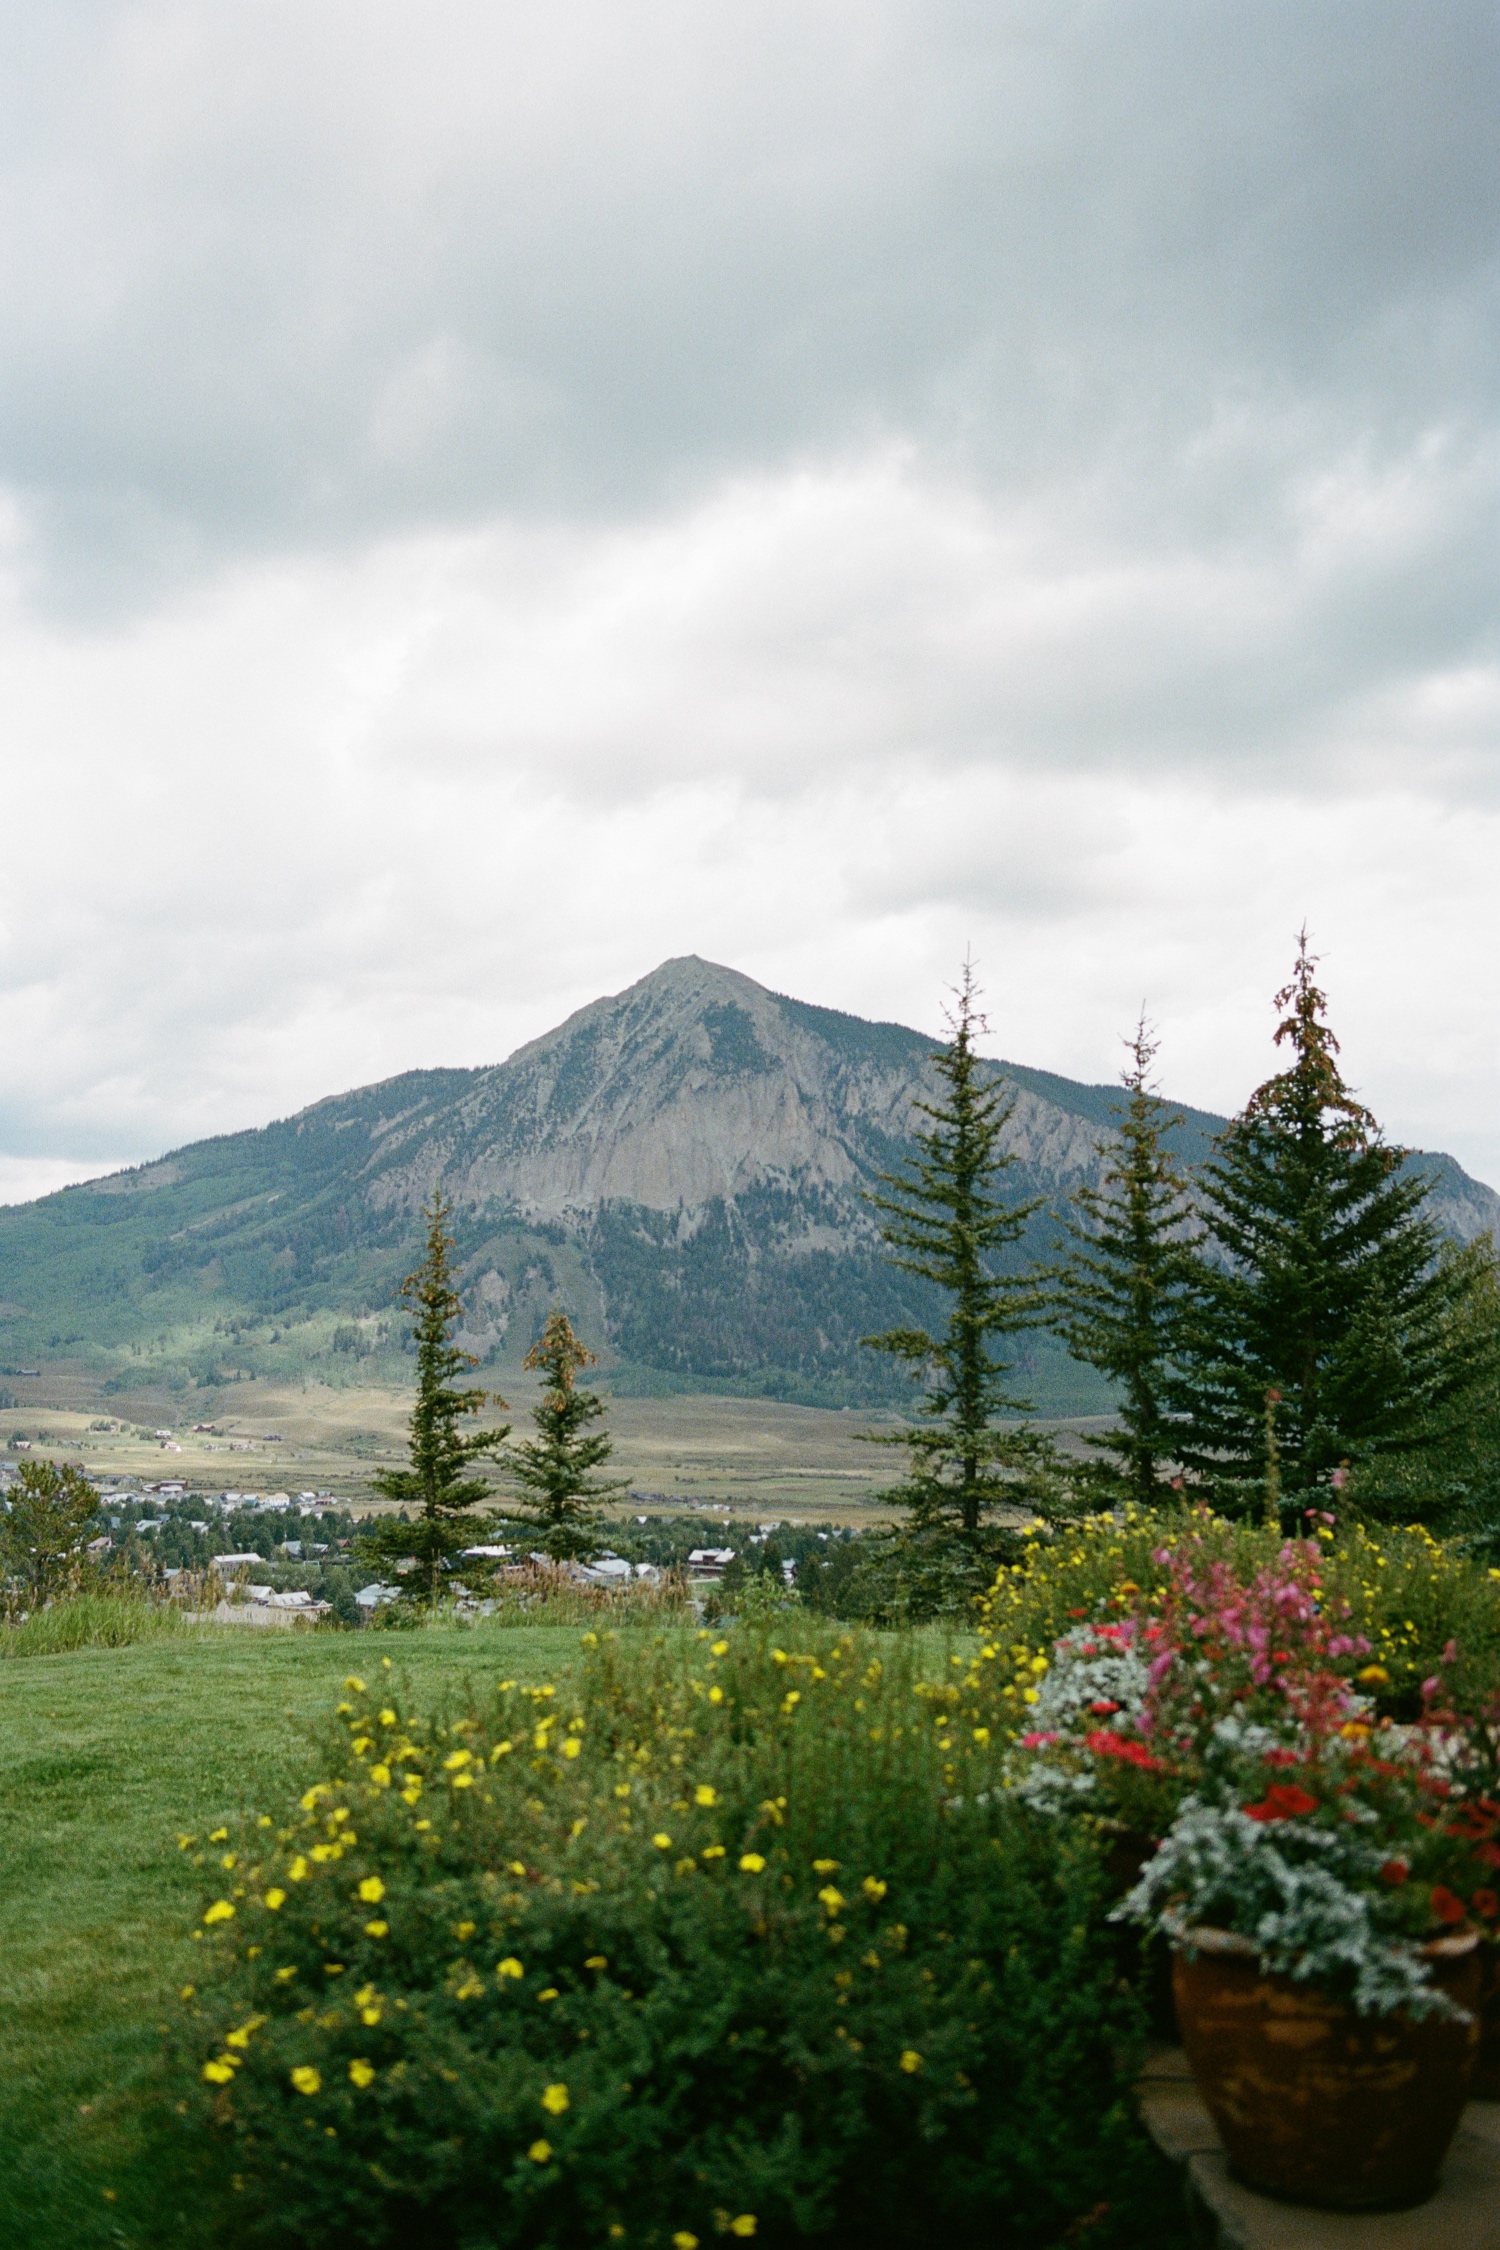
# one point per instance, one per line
(684, 1164)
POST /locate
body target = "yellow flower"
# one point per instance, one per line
(458, 1760)
(684, 2241)
(572, 1746)
(510, 1967)
(703, 1795)
(713, 1851)
(596, 1961)
(744, 2224)
(388, 1717)
(218, 1835)
(220, 2073)
(752, 1863)
(275, 1898)
(499, 1751)
(716, 1694)
(371, 1890)
(874, 1889)
(662, 1841)
(831, 1898)
(377, 1929)
(555, 2100)
(825, 1866)
(229, 1859)
(220, 1911)
(361, 2073)
(381, 1776)
(306, 2079)
(297, 1872)
(355, 1687)
(540, 2152)
(720, 1648)
(550, 1993)
(1374, 1675)
(910, 2059)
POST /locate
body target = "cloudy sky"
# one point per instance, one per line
(494, 495)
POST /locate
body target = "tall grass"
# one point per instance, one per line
(93, 1620)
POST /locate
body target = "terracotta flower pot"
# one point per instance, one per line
(1313, 2102)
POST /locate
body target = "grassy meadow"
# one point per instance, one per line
(105, 1756)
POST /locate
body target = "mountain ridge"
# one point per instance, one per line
(685, 1164)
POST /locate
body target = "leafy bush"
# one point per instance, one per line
(721, 1937)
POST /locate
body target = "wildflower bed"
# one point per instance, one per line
(728, 1937)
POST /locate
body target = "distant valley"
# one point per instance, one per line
(683, 1165)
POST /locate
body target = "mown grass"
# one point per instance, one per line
(105, 1755)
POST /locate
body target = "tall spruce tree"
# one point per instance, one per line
(555, 1468)
(1120, 1292)
(944, 1220)
(1330, 1287)
(421, 1554)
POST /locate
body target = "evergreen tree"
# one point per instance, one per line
(561, 1505)
(50, 1508)
(437, 1484)
(944, 1221)
(1120, 1292)
(1330, 1287)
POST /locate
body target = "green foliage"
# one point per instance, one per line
(562, 1498)
(1331, 1291)
(106, 1754)
(1120, 1292)
(724, 1937)
(436, 1483)
(1427, 1610)
(945, 1223)
(43, 1521)
(108, 1617)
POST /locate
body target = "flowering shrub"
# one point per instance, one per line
(1125, 1709)
(1338, 1860)
(717, 1938)
(1422, 1609)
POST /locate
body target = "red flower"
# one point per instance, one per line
(1283, 1801)
(1394, 1872)
(1489, 1853)
(1078, 1613)
(1107, 1745)
(1445, 1905)
(1486, 1903)
(1104, 1704)
(1282, 1758)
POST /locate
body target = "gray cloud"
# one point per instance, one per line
(281, 274)
(817, 487)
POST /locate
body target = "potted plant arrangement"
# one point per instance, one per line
(1325, 1905)
(1323, 1885)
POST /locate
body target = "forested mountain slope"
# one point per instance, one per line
(683, 1165)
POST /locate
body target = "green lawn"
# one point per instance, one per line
(105, 1755)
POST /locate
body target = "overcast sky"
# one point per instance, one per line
(495, 495)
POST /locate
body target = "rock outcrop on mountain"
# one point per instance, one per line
(685, 1164)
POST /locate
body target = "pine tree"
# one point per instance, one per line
(49, 1508)
(561, 1507)
(1330, 1287)
(1120, 1293)
(945, 1222)
(437, 1484)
